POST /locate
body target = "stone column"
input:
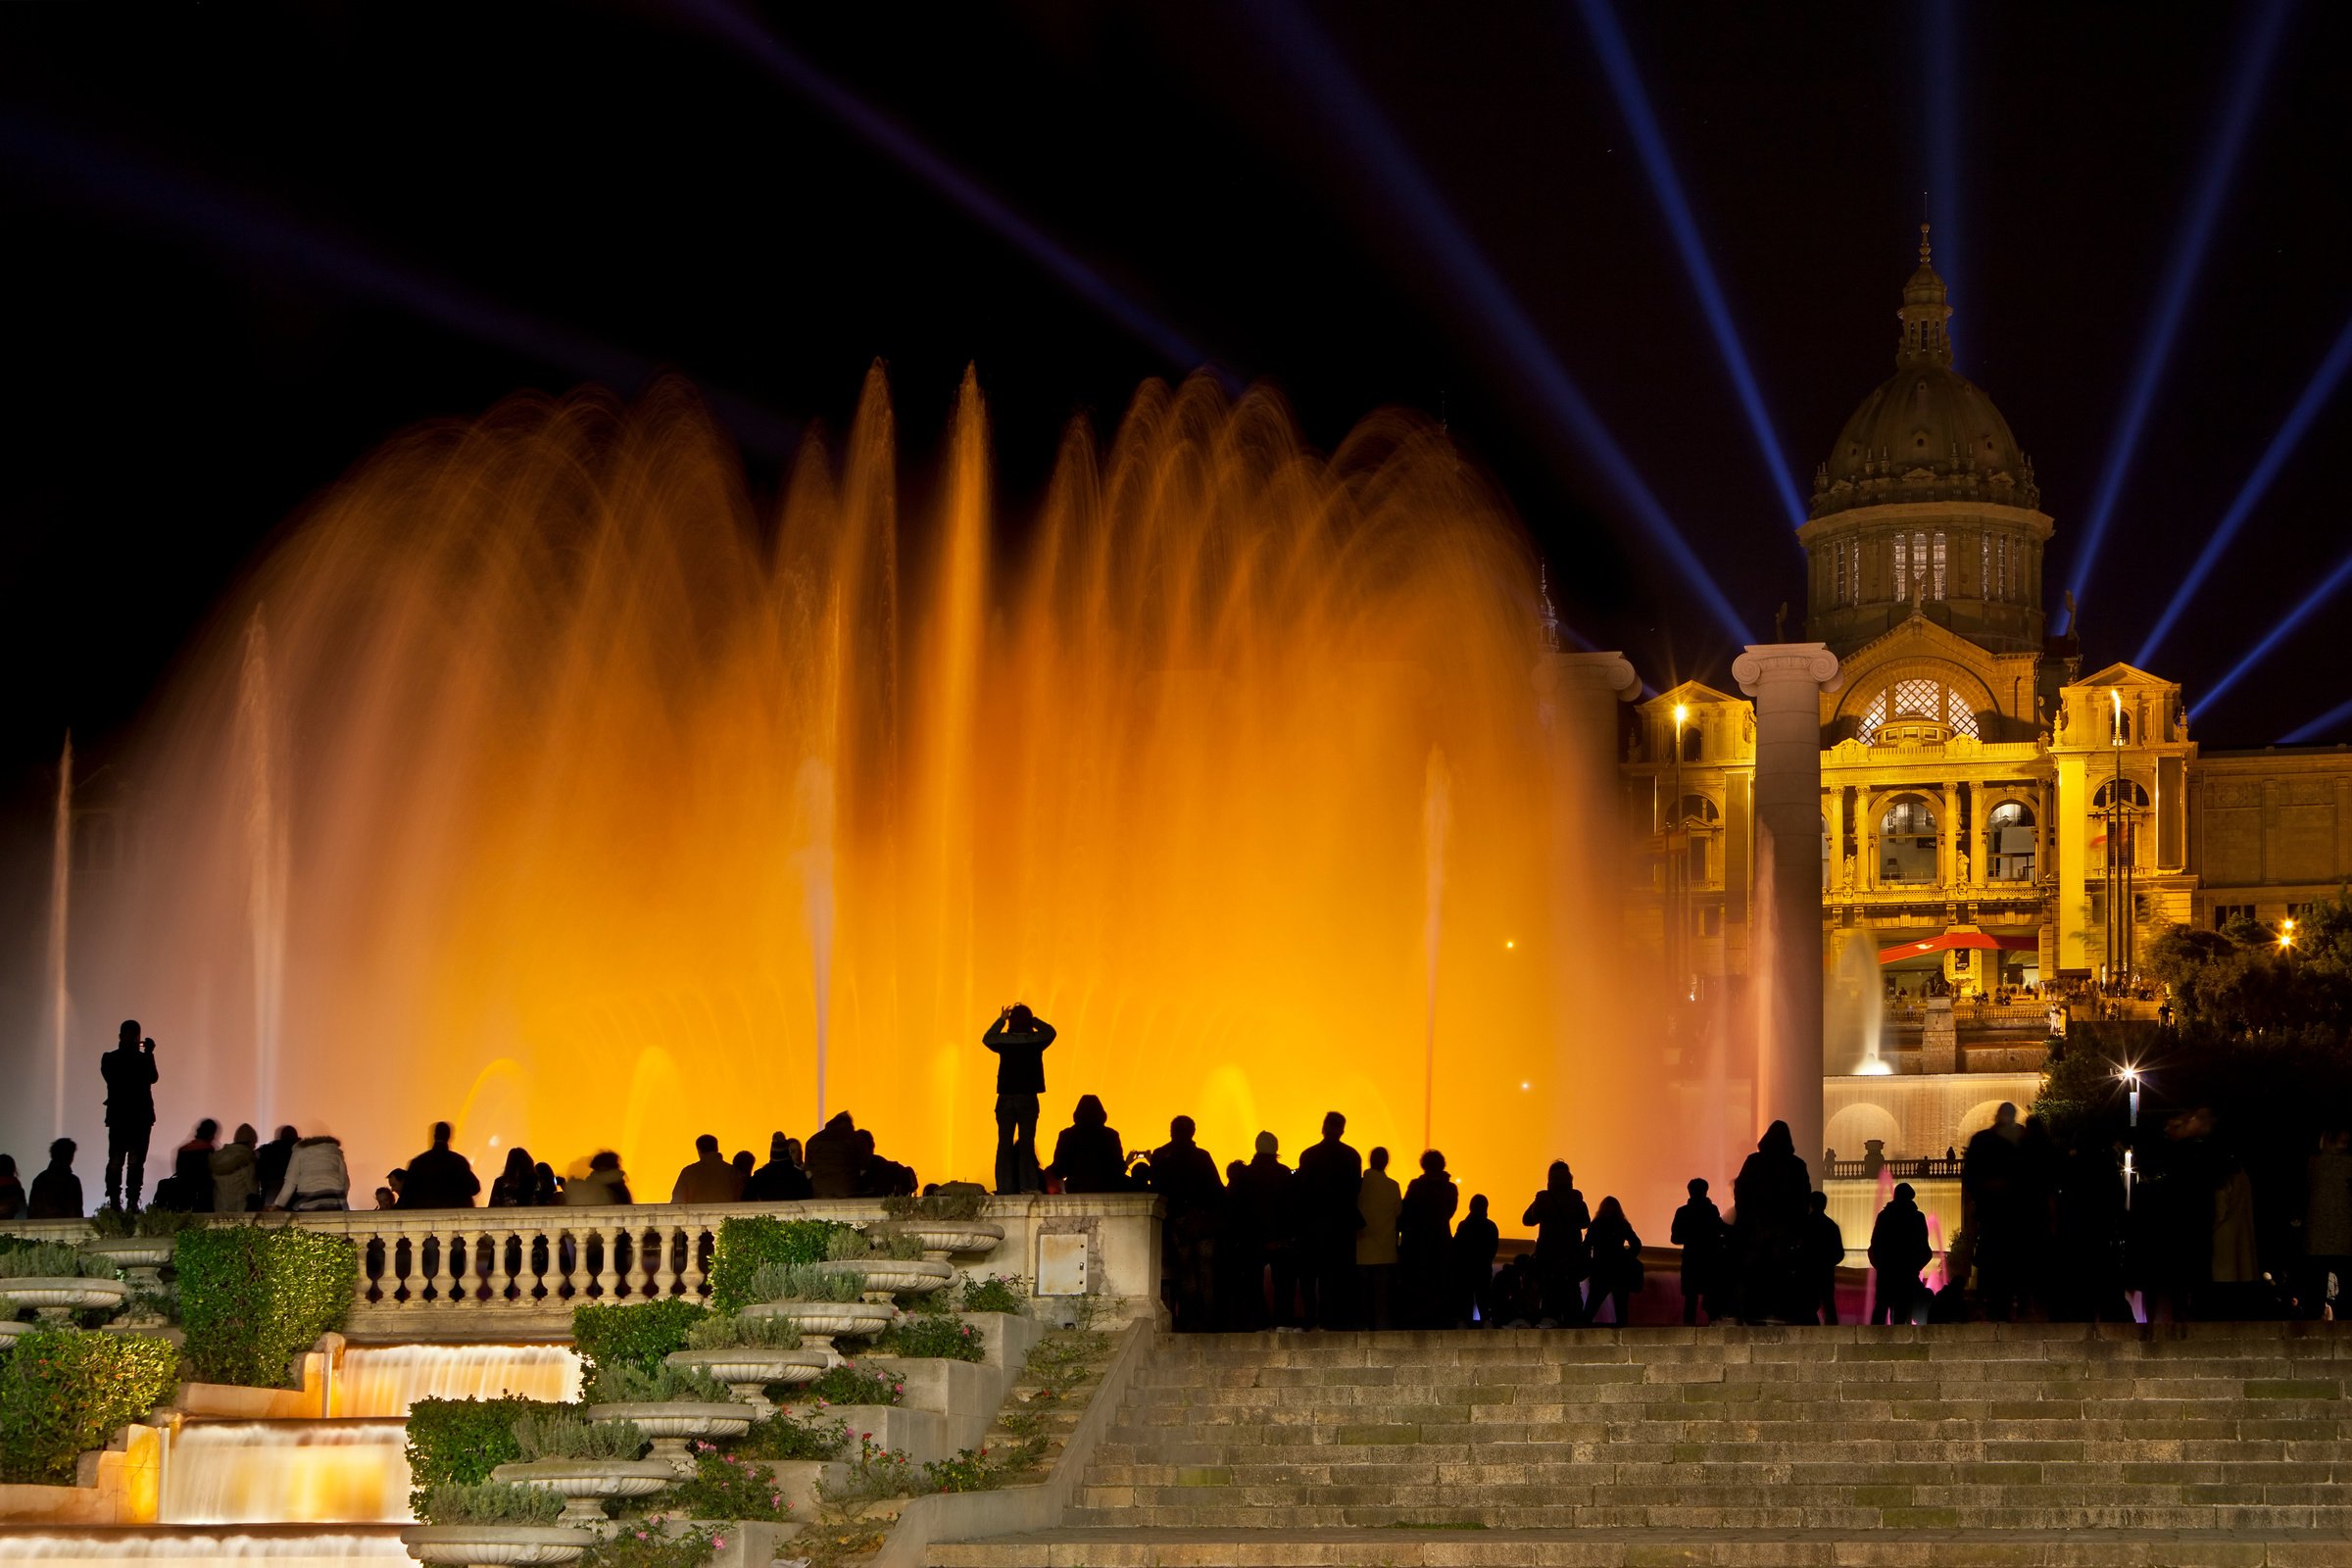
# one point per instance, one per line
(1787, 681)
(1980, 834)
(1837, 815)
(1947, 835)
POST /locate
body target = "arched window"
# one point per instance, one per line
(1697, 811)
(2010, 842)
(1691, 743)
(1907, 842)
(2134, 795)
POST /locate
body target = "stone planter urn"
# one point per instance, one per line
(943, 1239)
(585, 1484)
(820, 1321)
(674, 1423)
(496, 1545)
(9, 1328)
(142, 1257)
(885, 1277)
(59, 1298)
(749, 1369)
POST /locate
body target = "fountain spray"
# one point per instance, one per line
(1437, 820)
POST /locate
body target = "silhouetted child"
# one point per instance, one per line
(1698, 1232)
(1825, 1254)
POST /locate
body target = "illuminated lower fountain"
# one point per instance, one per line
(540, 782)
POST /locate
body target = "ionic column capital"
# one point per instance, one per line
(1770, 663)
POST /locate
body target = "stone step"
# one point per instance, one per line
(1594, 1547)
(1230, 1502)
(2060, 1474)
(1441, 1508)
(1847, 1457)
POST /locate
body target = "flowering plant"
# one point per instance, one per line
(647, 1543)
(726, 1486)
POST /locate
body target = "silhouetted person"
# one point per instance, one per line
(2328, 1220)
(1240, 1269)
(12, 1189)
(744, 1168)
(1264, 1187)
(1329, 1174)
(1425, 1245)
(516, 1182)
(1769, 1203)
(270, 1161)
(1995, 1198)
(604, 1183)
(1698, 1231)
(1560, 1218)
(315, 1179)
(1899, 1251)
(1515, 1295)
(2237, 1273)
(781, 1180)
(1825, 1254)
(709, 1179)
(189, 1186)
(236, 1184)
(1186, 1179)
(129, 1073)
(1087, 1157)
(1471, 1266)
(440, 1177)
(545, 1191)
(1616, 1254)
(2087, 1277)
(1019, 1039)
(832, 1160)
(56, 1190)
(1378, 1200)
(878, 1177)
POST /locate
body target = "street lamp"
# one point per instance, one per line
(2287, 933)
(2130, 1077)
(1677, 865)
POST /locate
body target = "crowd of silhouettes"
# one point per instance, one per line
(1336, 1241)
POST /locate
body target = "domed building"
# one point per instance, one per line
(1998, 829)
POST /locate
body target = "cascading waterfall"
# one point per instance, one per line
(286, 1472)
(61, 891)
(105, 1549)
(385, 1380)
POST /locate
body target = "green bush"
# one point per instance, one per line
(251, 1297)
(945, 1339)
(732, 1333)
(995, 1294)
(848, 1246)
(53, 1260)
(725, 1487)
(489, 1502)
(114, 1224)
(637, 1335)
(751, 1241)
(63, 1391)
(846, 1384)
(626, 1384)
(460, 1442)
(562, 1431)
(783, 1436)
(649, 1545)
(807, 1282)
(953, 1206)
(888, 1241)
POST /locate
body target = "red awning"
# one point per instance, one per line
(1952, 940)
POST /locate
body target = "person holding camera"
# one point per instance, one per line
(129, 1072)
(1019, 1039)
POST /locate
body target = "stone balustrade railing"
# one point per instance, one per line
(472, 1274)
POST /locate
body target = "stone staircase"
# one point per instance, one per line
(1979, 1444)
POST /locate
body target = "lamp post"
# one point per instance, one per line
(2121, 904)
(1678, 866)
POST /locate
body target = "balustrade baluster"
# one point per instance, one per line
(601, 1279)
(691, 1278)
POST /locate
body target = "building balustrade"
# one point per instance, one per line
(464, 1274)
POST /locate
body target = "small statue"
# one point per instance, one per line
(1779, 622)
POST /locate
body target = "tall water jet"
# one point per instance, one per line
(1854, 1012)
(61, 891)
(1437, 820)
(628, 800)
(266, 856)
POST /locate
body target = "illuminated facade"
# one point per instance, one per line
(1986, 804)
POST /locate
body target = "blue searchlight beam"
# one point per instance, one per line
(2338, 716)
(2281, 632)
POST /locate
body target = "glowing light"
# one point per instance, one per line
(911, 154)
(2274, 458)
(1625, 79)
(2238, 104)
(1681, 714)
(2278, 633)
(1508, 944)
(2334, 717)
(1527, 1086)
(1384, 158)
(1874, 1067)
(2116, 731)
(2287, 933)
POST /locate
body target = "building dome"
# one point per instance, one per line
(1926, 432)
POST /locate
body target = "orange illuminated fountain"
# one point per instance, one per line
(537, 783)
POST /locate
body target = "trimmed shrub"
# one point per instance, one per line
(783, 1436)
(63, 1391)
(751, 1241)
(460, 1442)
(53, 1260)
(491, 1502)
(953, 1206)
(806, 1282)
(113, 1224)
(995, 1294)
(846, 1384)
(945, 1339)
(251, 1297)
(626, 1384)
(758, 1333)
(562, 1431)
(637, 1335)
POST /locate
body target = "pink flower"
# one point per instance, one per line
(719, 1543)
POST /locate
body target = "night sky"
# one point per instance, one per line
(246, 244)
